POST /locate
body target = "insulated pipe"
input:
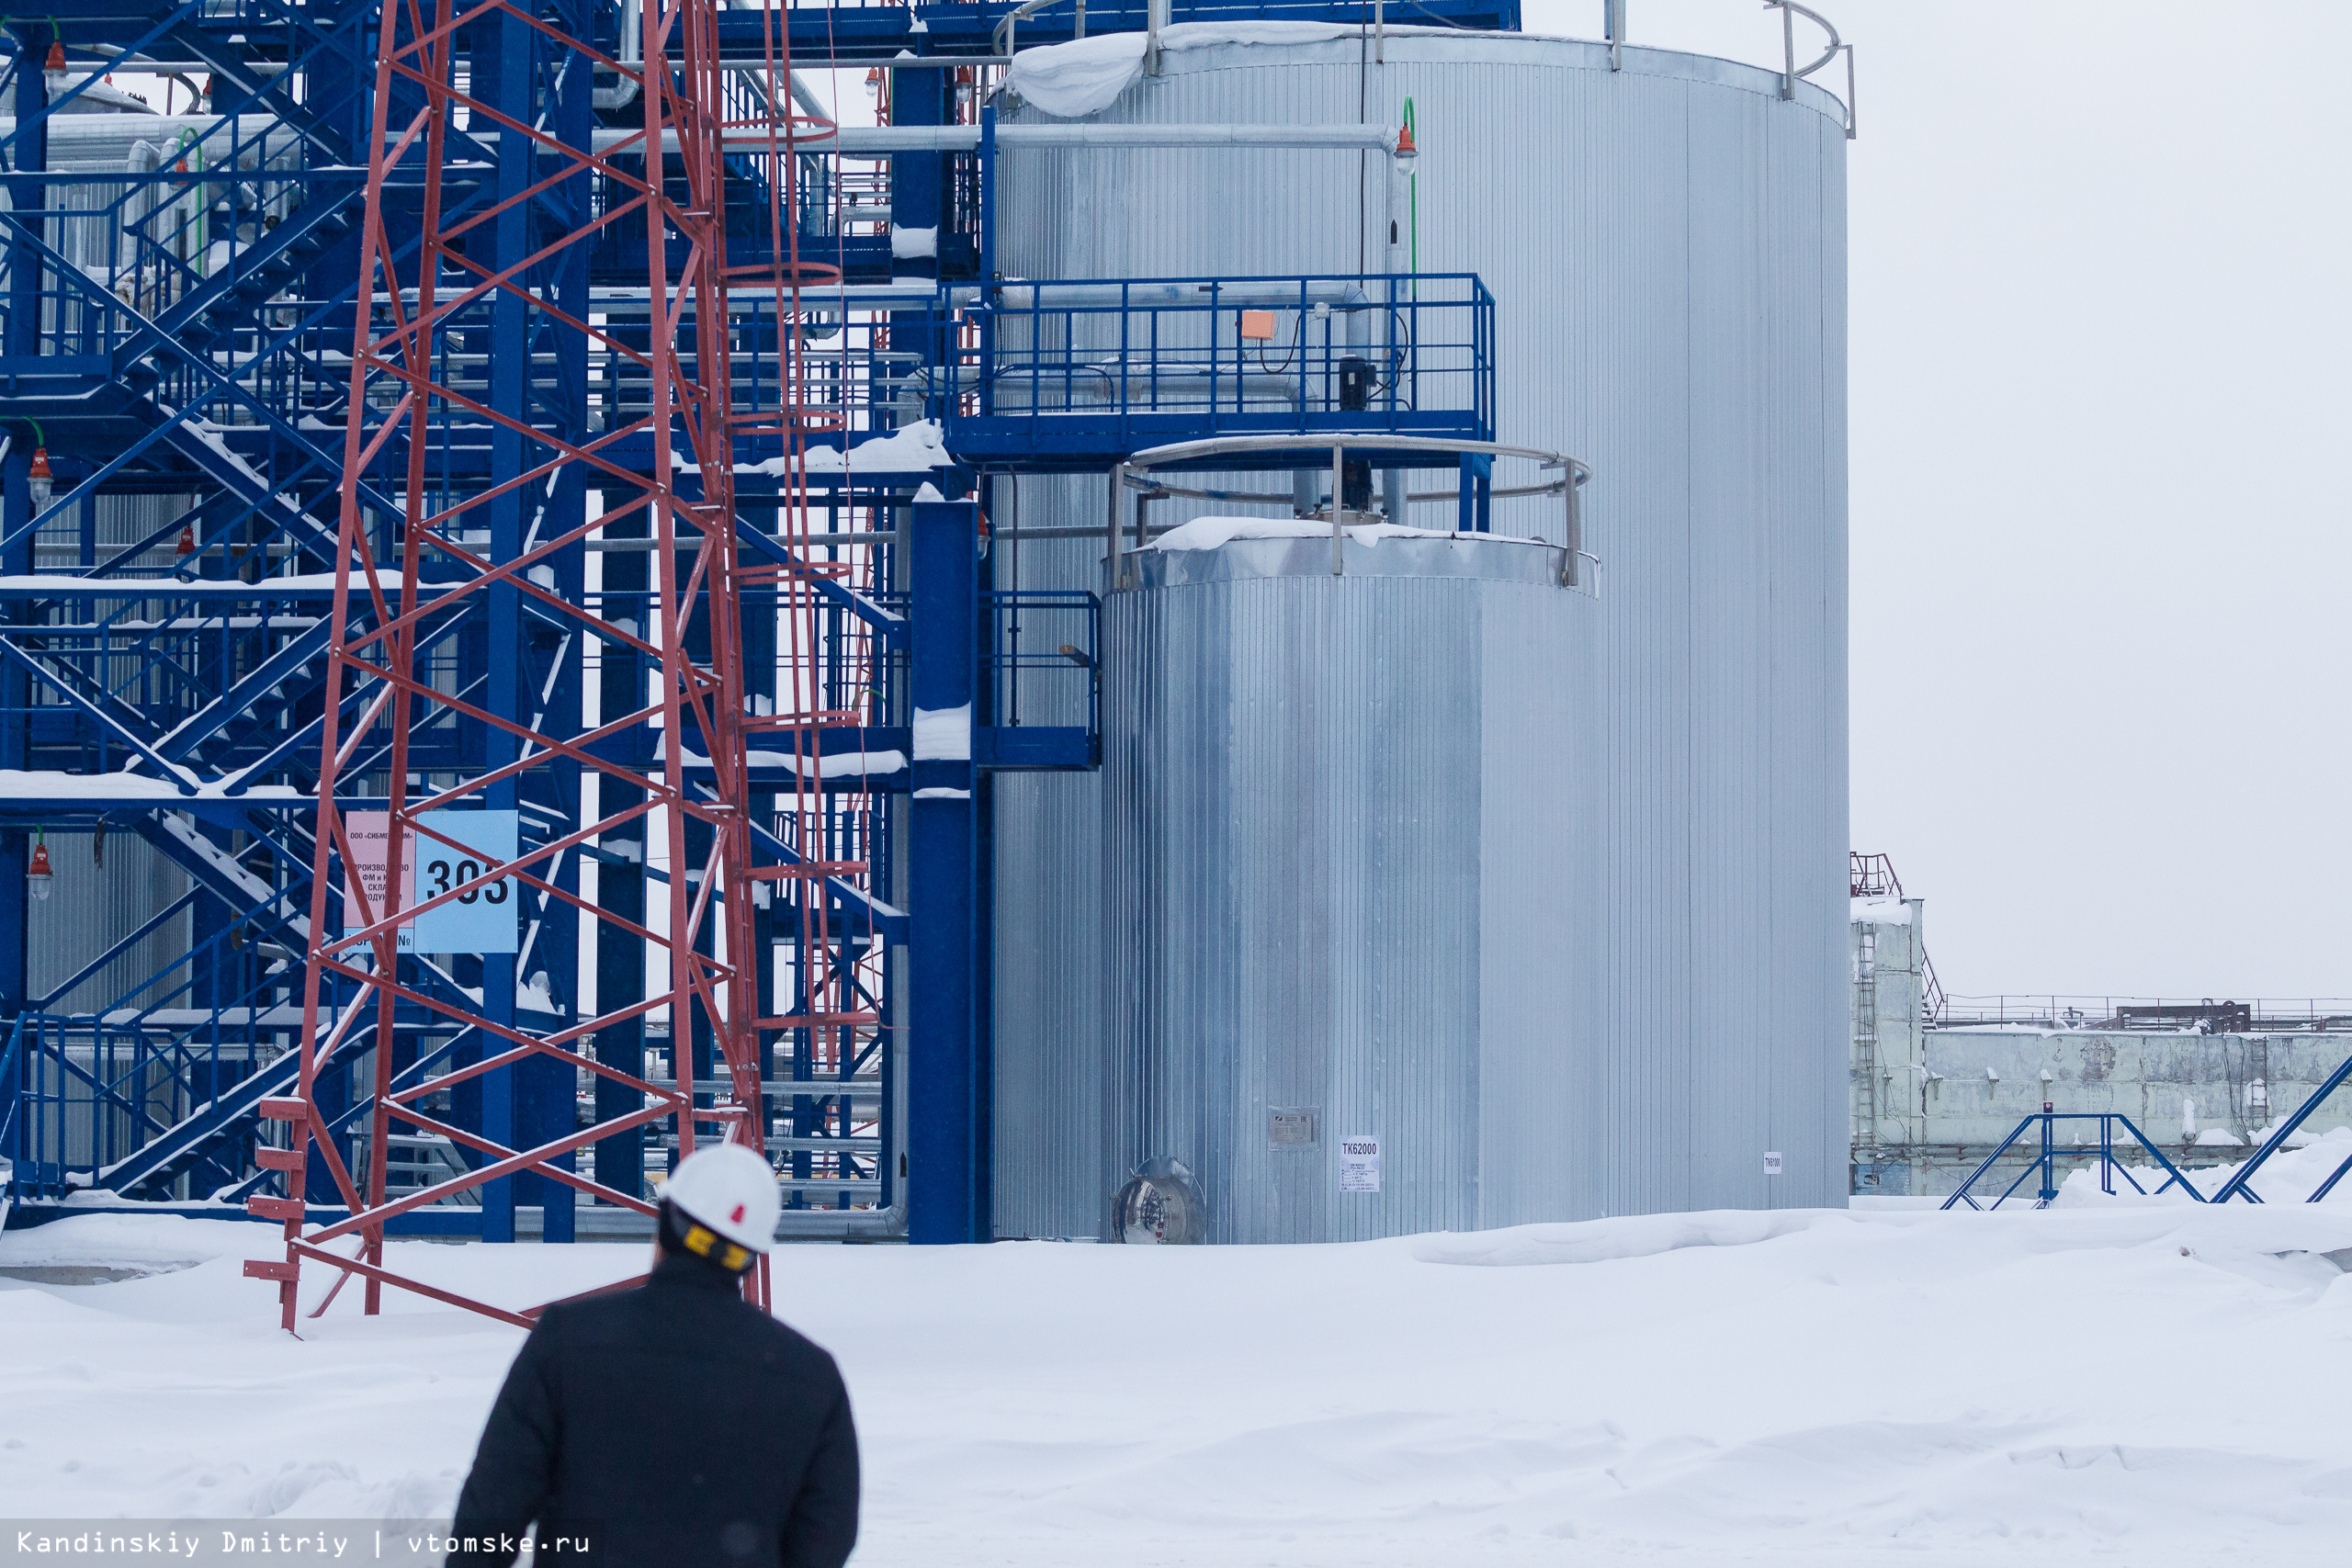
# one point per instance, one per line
(1156, 18)
(1002, 41)
(1354, 138)
(881, 140)
(1338, 506)
(1090, 296)
(807, 101)
(143, 66)
(624, 91)
(1098, 383)
(1116, 567)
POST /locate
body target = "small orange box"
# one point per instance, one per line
(1258, 326)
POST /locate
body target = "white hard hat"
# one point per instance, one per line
(728, 1189)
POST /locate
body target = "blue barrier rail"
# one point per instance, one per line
(2050, 1152)
(1090, 372)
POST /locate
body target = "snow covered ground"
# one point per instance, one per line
(2123, 1382)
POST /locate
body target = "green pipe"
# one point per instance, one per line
(1413, 203)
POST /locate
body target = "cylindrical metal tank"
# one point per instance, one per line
(1334, 839)
(1665, 245)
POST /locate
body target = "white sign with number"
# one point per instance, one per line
(483, 920)
(1359, 1164)
(1772, 1162)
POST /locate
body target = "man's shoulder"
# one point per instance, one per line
(787, 1350)
(630, 1313)
(591, 1316)
(792, 1344)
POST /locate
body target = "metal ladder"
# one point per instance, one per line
(1865, 1068)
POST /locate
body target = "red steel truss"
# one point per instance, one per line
(404, 399)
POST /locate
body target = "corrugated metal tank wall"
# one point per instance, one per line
(1330, 805)
(1667, 248)
(90, 907)
(93, 906)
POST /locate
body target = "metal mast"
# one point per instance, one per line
(424, 545)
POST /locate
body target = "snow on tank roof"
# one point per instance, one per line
(1085, 76)
(1208, 533)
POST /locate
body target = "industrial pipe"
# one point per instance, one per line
(881, 140)
(1335, 292)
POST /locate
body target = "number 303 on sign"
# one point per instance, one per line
(480, 919)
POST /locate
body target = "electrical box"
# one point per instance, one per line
(1257, 326)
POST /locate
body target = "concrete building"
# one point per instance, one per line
(1935, 1089)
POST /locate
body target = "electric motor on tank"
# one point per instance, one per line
(1159, 1206)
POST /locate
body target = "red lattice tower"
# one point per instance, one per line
(686, 490)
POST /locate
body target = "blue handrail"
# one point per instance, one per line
(2045, 1160)
(1140, 361)
(12, 1120)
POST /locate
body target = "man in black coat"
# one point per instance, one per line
(676, 1425)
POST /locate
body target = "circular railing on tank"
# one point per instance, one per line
(1140, 475)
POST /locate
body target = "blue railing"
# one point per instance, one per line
(90, 1089)
(2045, 1158)
(1142, 361)
(1041, 659)
(12, 1114)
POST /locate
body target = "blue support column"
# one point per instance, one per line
(502, 65)
(1473, 501)
(557, 951)
(620, 887)
(988, 197)
(29, 150)
(919, 185)
(342, 86)
(919, 180)
(947, 1094)
(989, 275)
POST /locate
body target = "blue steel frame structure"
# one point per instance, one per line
(2050, 1152)
(185, 334)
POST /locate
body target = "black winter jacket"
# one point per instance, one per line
(676, 1426)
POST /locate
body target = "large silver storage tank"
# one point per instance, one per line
(1666, 243)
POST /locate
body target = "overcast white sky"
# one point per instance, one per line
(2101, 573)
